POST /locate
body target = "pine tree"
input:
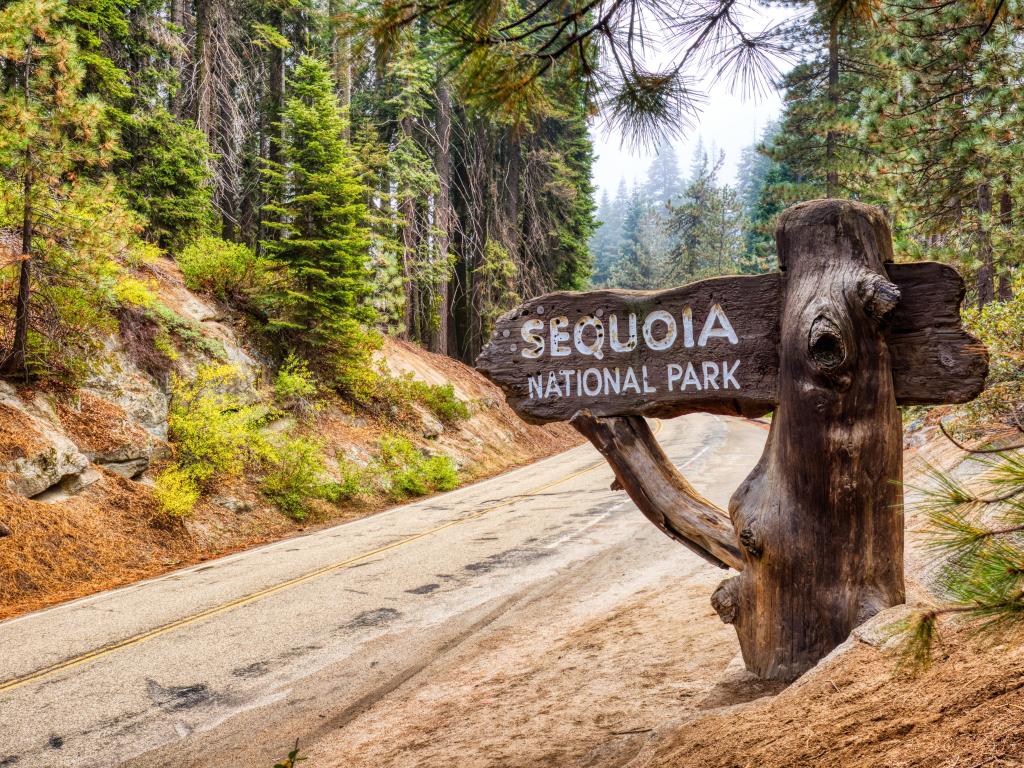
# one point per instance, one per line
(637, 266)
(948, 136)
(705, 225)
(51, 139)
(321, 221)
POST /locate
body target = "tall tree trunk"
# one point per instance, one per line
(17, 359)
(407, 205)
(821, 515)
(1006, 221)
(442, 214)
(986, 272)
(341, 60)
(202, 54)
(831, 171)
(177, 99)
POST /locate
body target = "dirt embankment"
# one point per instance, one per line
(77, 512)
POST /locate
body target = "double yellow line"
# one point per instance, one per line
(106, 650)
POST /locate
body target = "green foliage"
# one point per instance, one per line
(1000, 326)
(135, 292)
(496, 276)
(296, 475)
(408, 472)
(976, 531)
(353, 481)
(214, 431)
(441, 401)
(55, 143)
(295, 386)
(164, 172)
(292, 760)
(318, 213)
(177, 491)
(230, 271)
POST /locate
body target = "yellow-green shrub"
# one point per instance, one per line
(229, 271)
(176, 491)
(405, 471)
(296, 475)
(214, 431)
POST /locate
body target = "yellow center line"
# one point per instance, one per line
(97, 653)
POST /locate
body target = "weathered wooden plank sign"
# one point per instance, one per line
(832, 343)
(709, 346)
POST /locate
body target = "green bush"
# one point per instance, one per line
(1000, 325)
(230, 271)
(351, 484)
(296, 476)
(164, 172)
(406, 471)
(294, 386)
(176, 491)
(442, 402)
(215, 431)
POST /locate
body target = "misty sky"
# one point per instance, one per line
(727, 122)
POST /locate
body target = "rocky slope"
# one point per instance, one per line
(77, 512)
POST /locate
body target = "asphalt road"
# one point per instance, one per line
(227, 663)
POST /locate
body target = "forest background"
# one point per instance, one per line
(335, 171)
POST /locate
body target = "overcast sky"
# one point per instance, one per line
(727, 122)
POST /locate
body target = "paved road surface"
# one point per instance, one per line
(226, 663)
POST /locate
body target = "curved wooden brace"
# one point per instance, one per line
(660, 491)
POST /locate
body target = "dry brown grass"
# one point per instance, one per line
(94, 424)
(966, 711)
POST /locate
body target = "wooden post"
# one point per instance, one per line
(821, 516)
(831, 344)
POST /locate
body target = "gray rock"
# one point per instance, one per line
(55, 459)
(232, 504)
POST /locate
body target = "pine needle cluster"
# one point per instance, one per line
(976, 532)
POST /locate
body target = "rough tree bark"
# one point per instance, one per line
(817, 527)
(821, 516)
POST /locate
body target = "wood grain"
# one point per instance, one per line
(933, 359)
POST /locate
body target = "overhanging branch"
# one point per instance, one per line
(654, 484)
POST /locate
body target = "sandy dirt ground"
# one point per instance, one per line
(632, 667)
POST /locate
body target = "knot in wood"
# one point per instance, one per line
(825, 344)
(750, 542)
(879, 296)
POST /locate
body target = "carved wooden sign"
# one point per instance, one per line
(709, 346)
(832, 344)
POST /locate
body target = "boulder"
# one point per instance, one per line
(34, 455)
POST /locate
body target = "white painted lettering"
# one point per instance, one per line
(536, 385)
(558, 336)
(666, 341)
(613, 334)
(728, 375)
(688, 326)
(552, 390)
(675, 373)
(588, 390)
(596, 346)
(690, 379)
(710, 375)
(643, 375)
(630, 381)
(531, 333)
(724, 330)
(610, 384)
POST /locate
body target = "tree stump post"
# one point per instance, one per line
(821, 515)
